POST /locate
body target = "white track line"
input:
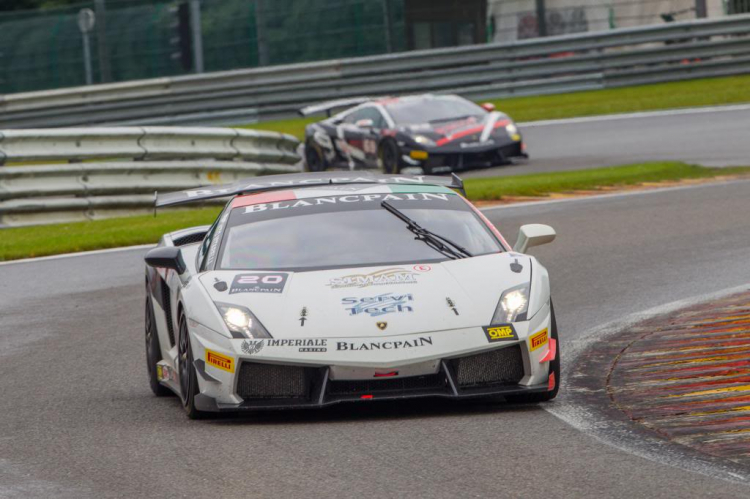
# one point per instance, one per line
(80, 253)
(645, 114)
(587, 420)
(613, 195)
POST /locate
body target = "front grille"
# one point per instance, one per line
(271, 381)
(195, 237)
(368, 386)
(502, 366)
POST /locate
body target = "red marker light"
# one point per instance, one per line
(551, 382)
(366, 397)
(386, 375)
(551, 352)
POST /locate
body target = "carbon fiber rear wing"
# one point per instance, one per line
(299, 180)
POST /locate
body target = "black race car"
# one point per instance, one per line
(437, 133)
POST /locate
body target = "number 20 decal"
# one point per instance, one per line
(258, 283)
(255, 279)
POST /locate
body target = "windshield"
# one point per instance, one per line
(419, 111)
(354, 232)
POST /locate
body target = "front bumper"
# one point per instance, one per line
(457, 159)
(452, 364)
(442, 384)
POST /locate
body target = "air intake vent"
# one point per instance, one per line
(367, 386)
(271, 381)
(502, 366)
(193, 238)
(166, 300)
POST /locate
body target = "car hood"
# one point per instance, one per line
(460, 130)
(365, 301)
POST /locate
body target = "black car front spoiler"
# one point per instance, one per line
(321, 398)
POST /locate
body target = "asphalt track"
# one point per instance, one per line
(78, 418)
(714, 136)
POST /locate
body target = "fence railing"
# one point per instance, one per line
(669, 52)
(115, 171)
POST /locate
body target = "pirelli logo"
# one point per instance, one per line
(219, 361)
(538, 340)
(502, 332)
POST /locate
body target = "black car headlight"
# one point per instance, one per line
(241, 320)
(513, 305)
(424, 140)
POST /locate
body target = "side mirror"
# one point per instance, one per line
(533, 235)
(166, 257)
(365, 123)
(488, 106)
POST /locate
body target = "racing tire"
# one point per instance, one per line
(153, 352)
(554, 368)
(314, 160)
(188, 377)
(388, 154)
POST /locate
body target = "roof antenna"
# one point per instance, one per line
(458, 184)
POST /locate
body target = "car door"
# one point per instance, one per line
(358, 136)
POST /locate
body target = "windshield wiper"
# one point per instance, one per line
(435, 241)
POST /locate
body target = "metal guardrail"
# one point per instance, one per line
(129, 165)
(668, 52)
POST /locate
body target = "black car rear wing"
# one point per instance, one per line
(329, 106)
(299, 180)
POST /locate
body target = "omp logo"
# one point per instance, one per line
(501, 332)
(220, 361)
(497, 333)
(538, 340)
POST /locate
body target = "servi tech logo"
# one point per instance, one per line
(375, 306)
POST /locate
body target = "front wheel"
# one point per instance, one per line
(389, 152)
(188, 378)
(153, 352)
(314, 160)
(554, 369)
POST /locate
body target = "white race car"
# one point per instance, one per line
(315, 289)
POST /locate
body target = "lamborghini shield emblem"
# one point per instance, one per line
(382, 325)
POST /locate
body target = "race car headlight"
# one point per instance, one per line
(511, 128)
(513, 306)
(425, 141)
(242, 321)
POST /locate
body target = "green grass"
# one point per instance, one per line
(706, 92)
(541, 184)
(27, 242)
